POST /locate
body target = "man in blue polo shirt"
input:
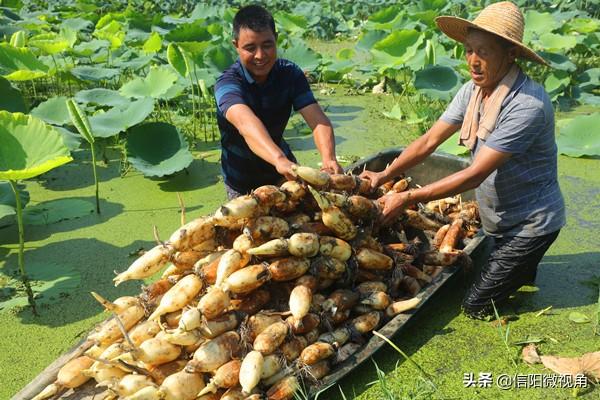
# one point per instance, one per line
(254, 99)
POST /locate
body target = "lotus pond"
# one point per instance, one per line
(144, 72)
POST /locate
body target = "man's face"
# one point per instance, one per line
(257, 51)
(487, 58)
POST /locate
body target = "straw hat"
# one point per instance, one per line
(503, 19)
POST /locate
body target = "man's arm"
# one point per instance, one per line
(323, 136)
(486, 162)
(416, 152)
(258, 139)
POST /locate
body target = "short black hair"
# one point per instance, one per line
(253, 17)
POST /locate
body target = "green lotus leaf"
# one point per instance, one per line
(157, 149)
(77, 24)
(53, 111)
(135, 63)
(557, 81)
(11, 99)
(29, 147)
(426, 16)
(153, 44)
(397, 48)
(345, 54)
(451, 146)
(195, 51)
(558, 61)
(295, 24)
(49, 282)
(579, 318)
(158, 81)
(101, 97)
(583, 25)
(86, 49)
(177, 59)
(395, 113)
(18, 39)
(191, 32)
(439, 82)
(49, 212)
(555, 42)
(335, 71)
(8, 204)
(540, 23)
(49, 43)
(219, 58)
(113, 32)
(95, 74)
(580, 137)
(303, 56)
(589, 79)
(111, 22)
(385, 15)
(368, 38)
(20, 64)
(118, 119)
(72, 140)
(588, 98)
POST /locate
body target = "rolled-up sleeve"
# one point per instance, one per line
(302, 95)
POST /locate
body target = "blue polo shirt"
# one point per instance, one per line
(272, 102)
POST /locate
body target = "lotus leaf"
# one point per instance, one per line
(190, 32)
(553, 41)
(113, 32)
(18, 39)
(397, 48)
(50, 282)
(52, 211)
(556, 82)
(29, 147)
(158, 81)
(11, 99)
(579, 318)
(583, 25)
(558, 61)
(368, 38)
(86, 49)
(53, 111)
(135, 63)
(120, 118)
(540, 23)
(580, 137)
(157, 149)
(589, 80)
(101, 97)
(394, 113)
(588, 98)
(77, 24)
(438, 82)
(219, 58)
(307, 59)
(345, 54)
(294, 24)
(20, 64)
(8, 204)
(386, 18)
(95, 74)
(451, 146)
(335, 71)
(153, 44)
(72, 140)
(49, 43)
(177, 59)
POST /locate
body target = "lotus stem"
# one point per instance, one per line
(95, 177)
(24, 276)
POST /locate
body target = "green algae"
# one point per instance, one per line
(439, 338)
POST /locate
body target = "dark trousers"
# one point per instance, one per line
(512, 263)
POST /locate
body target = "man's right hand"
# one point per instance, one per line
(376, 178)
(284, 167)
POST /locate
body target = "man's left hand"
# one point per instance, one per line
(332, 167)
(392, 205)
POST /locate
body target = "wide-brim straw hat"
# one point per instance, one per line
(503, 19)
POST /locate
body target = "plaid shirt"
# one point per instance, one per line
(522, 197)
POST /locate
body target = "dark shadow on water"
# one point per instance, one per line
(108, 210)
(329, 109)
(199, 174)
(301, 143)
(94, 262)
(339, 118)
(79, 173)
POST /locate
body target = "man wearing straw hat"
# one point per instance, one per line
(507, 121)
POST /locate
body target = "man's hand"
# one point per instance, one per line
(284, 167)
(376, 178)
(392, 205)
(332, 167)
